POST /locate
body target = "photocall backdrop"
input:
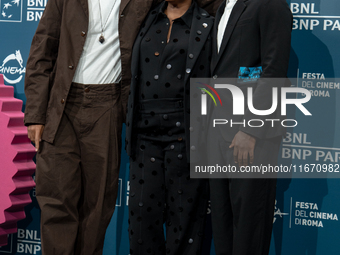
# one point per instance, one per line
(306, 219)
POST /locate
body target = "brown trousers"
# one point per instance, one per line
(77, 175)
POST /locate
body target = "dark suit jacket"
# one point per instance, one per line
(201, 51)
(56, 49)
(258, 34)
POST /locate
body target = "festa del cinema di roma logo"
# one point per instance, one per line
(12, 68)
(239, 104)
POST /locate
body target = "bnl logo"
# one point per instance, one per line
(11, 10)
(238, 103)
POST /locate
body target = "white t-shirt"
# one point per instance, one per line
(100, 63)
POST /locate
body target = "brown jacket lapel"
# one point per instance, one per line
(85, 6)
(123, 4)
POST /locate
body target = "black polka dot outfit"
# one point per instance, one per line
(162, 64)
(162, 195)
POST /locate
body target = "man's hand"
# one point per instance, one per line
(34, 134)
(243, 145)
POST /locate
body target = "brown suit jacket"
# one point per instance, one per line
(56, 49)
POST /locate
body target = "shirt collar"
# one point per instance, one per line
(186, 17)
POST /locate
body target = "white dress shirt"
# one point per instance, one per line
(224, 21)
(100, 63)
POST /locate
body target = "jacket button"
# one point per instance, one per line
(165, 117)
(87, 90)
(215, 77)
(122, 15)
(71, 67)
(191, 129)
(83, 33)
(178, 124)
(188, 70)
(62, 101)
(180, 139)
(191, 56)
(193, 148)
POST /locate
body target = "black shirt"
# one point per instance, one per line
(162, 64)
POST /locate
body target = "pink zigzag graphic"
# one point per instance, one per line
(16, 164)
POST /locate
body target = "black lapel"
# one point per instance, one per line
(145, 27)
(234, 17)
(218, 17)
(201, 26)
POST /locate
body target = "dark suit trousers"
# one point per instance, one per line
(242, 210)
(161, 190)
(77, 175)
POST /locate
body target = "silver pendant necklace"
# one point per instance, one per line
(101, 37)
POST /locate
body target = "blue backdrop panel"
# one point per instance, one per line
(307, 210)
